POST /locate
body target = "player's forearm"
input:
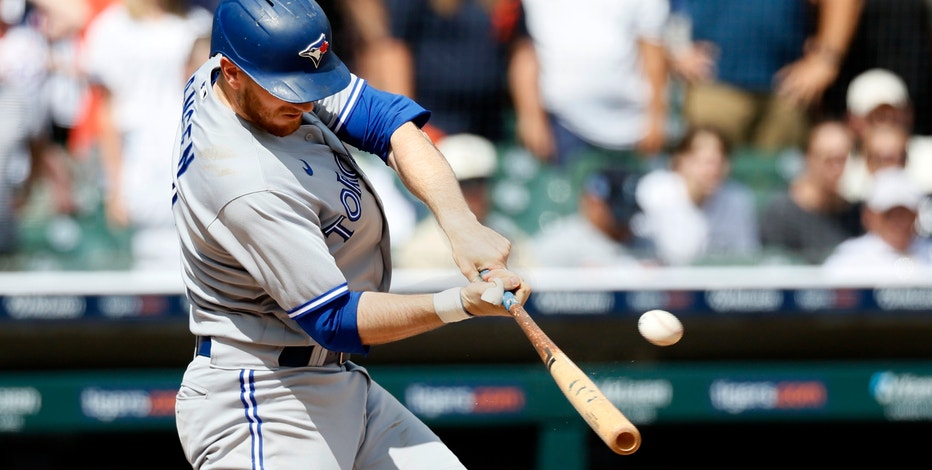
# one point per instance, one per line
(427, 175)
(384, 318)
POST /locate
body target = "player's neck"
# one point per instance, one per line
(221, 93)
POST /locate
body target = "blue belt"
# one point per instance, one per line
(291, 356)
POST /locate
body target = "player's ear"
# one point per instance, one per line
(231, 73)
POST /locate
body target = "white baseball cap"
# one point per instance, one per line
(892, 187)
(876, 87)
(471, 156)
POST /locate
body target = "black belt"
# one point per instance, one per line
(291, 356)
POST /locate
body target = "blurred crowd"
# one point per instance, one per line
(643, 109)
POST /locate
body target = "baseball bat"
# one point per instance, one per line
(608, 422)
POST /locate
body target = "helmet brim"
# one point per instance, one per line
(304, 87)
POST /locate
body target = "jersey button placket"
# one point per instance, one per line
(313, 134)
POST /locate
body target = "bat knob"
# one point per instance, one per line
(509, 300)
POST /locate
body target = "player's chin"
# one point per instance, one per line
(284, 125)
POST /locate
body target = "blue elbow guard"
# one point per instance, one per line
(333, 325)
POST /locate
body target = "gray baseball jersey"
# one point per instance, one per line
(267, 223)
(272, 227)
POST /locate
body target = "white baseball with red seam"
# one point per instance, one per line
(660, 327)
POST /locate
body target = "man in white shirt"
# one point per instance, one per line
(891, 241)
(602, 80)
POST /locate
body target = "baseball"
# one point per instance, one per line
(660, 327)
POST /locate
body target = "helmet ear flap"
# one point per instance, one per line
(284, 46)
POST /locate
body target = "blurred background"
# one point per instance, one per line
(761, 169)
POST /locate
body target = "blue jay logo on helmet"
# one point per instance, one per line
(316, 50)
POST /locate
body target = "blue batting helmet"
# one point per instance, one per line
(283, 45)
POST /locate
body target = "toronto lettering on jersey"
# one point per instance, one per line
(350, 196)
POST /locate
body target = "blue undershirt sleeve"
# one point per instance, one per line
(377, 115)
(333, 325)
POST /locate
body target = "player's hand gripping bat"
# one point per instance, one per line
(602, 416)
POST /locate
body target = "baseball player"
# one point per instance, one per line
(286, 256)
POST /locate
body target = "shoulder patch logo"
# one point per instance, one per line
(316, 50)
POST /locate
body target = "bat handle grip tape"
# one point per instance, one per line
(509, 299)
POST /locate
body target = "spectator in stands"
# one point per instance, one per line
(459, 52)
(64, 24)
(891, 240)
(474, 160)
(82, 133)
(881, 115)
(882, 146)
(600, 233)
(756, 69)
(602, 81)
(24, 119)
(19, 74)
(808, 221)
(137, 55)
(362, 28)
(894, 35)
(694, 212)
(61, 22)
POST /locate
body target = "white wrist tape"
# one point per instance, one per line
(449, 305)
